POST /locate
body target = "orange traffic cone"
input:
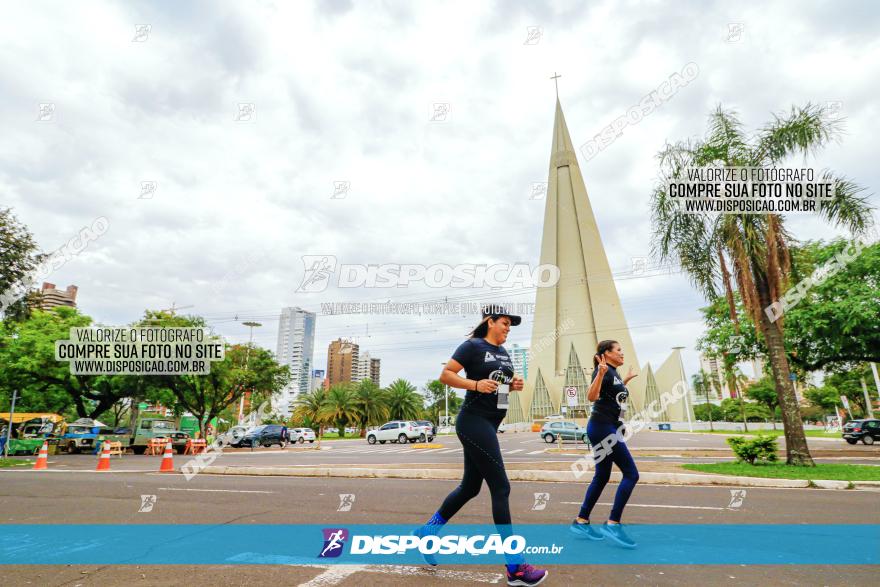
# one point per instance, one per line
(104, 461)
(43, 458)
(167, 465)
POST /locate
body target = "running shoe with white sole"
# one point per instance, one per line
(526, 576)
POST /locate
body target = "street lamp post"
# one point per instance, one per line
(446, 401)
(687, 390)
(247, 356)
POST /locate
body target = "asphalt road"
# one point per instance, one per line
(516, 448)
(38, 498)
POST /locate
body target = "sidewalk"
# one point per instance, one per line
(650, 473)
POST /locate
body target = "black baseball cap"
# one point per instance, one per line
(495, 311)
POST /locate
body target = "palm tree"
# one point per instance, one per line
(308, 407)
(404, 403)
(371, 404)
(703, 384)
(755, 246)
(340, 406)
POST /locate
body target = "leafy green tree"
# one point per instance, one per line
(835, 323)
(27, 353)
(340, 406)
(18, 260)
(732, 408)
(704, 386)
(404, 402)
(435, 397)
(752, 250)
(708, 413)
(764, 392)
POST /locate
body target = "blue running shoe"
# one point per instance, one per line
(585, 530)
(427, 530)
(616, 533)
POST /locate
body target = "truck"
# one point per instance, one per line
(153, 425)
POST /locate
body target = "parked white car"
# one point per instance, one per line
(301, 435)
(401, 431)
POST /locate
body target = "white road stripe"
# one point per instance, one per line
(333, 575)
(213, 490)
(653, 505)
(536, 452)
(514, 451)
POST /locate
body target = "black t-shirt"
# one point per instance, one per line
(482, 360)
(612, 395)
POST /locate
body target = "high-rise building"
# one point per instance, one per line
(296, 346)
(519, 356)
(51, 297)
(368, 368)
(342, 361)
(317, 379)
(714, 367)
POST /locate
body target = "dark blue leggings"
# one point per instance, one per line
(482, 461)
(597, 431)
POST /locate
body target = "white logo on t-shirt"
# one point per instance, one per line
(617, 381)
(489, 357)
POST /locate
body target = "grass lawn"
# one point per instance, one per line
(9, 463)
(835, 471)
(816, 433)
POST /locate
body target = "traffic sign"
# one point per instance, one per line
(572, 394)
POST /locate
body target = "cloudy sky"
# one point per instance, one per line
(346, 92)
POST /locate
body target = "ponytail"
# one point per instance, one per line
(604, 346)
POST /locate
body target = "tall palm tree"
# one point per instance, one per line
(340, 406)
(309, 406)
(752, 250)
(371, 404)
(404, 403)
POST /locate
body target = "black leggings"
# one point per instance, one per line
(482, 460)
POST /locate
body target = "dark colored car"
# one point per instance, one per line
(265, 435)
(428, 423)
(865, 430)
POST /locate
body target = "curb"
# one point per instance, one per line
(428, 445)
(650, 478)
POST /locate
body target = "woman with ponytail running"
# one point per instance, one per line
(488, 379)
(608, 393)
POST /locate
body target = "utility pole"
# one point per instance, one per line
(687, 388)
(247, 356)
(446, 400)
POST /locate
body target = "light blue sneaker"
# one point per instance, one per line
(616, 533)
(585, 530)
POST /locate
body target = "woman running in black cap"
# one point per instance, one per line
(489, 378)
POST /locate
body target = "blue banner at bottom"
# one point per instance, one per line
(456, 544)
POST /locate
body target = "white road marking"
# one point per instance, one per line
(536, 452)
(333, 575)
(653, 505)
(213, 490)
(514, 451)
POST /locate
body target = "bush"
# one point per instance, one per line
(760, 447)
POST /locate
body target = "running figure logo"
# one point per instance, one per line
(318, 271)
(334, 541)
(147, 503)
(346, 500)
(737, 496)
(541, 501)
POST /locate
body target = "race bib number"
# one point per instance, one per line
(503, 396)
